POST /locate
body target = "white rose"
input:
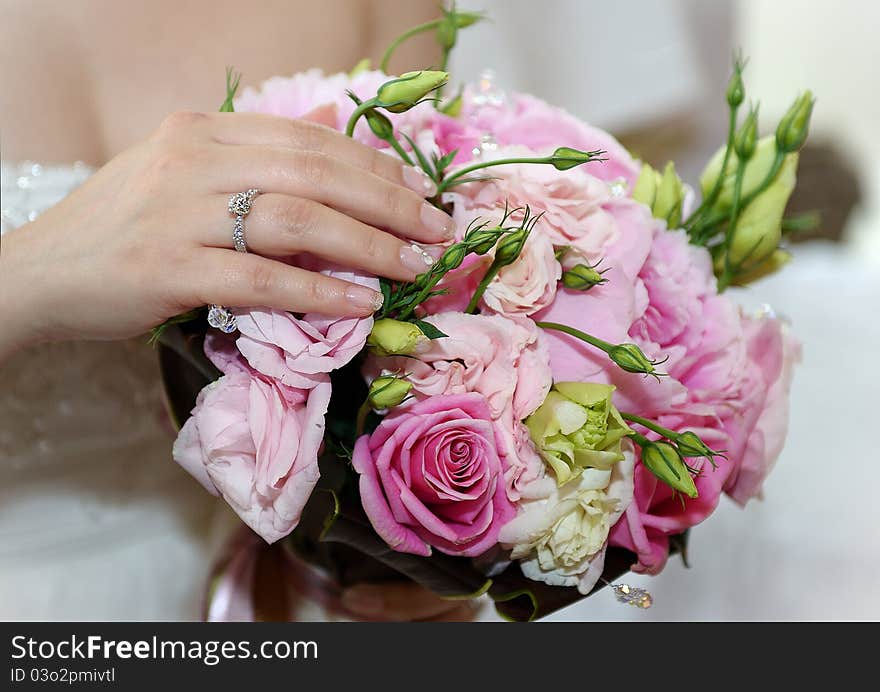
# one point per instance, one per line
(529, 284)
(561, 540)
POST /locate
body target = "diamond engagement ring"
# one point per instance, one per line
(239, 206)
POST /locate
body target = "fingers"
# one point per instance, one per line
(308, 135)
(238, 279)
(281, 225)
(334, 183)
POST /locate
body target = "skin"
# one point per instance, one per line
(133, 88)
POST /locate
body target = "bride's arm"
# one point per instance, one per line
(389, 19)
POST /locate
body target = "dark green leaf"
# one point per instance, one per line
(429, 329)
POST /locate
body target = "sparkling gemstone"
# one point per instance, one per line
(221, 318)
(487, 92)
(631, 595)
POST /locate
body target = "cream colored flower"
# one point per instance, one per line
(561, 540)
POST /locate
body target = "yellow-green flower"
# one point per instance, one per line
(577, 427)
(393, 337)
(403, 93)
(387, 391)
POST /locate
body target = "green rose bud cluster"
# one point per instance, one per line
(577, 427)
(663, 193)
(746, 187)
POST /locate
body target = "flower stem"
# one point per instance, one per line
(649, 424)
(400, 150)
(486, 164)
(481, 288)
(358, 112)
(361, 419)
(709, 200)
(395, 44)
(583, 336)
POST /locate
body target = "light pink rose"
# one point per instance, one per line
(300, 351)
(504, 359)
(255, 442)
(528, 284)
(432, 475)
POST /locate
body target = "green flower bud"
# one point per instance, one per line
(629, 357)
(577, 427)
(392, 337)
(645, 189)
(746, 139)
(465, 19)
(757, 169)
(482, 240)
(769, 265)
(565, 157)
(670, 195)
(406, 91)
(379, 124)
(510, 246)
(736, 91)
(453, 107)
(791, 133)
(759, 227)
(690, 445)
(664, 461)
(453, 256)
(582, 278)
(388, 391)
(363, 66)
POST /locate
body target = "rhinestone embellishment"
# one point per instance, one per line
(221, 318)
(240, 202)
(633, 596)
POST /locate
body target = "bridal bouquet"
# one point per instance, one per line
(561, 395)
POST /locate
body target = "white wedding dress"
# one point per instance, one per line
(96, 520)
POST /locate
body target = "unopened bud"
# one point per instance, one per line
(453, 256)
(670, 195)
(690, 445)
(510, 246)
(645, 189)
(379, 124)
(769, 265)
(582, 278)
(736, 91)
(791, 133)
(565, 157)
(629, 357)
(483, 240)
(747, 138)
(406, 91)
(392, 337)
(664, 461)
(388, 391)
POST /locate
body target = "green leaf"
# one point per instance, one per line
(443, 162)
(429, 329)
(423, 162)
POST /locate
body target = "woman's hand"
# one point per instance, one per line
(149, 235)
(405, 602)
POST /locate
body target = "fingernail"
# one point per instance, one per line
(415, 258)
(437, 221)
(363, 600)
(419, 181)
(363, 297)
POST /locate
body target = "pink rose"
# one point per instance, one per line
(300, 351)
(774, 352)
(502, 358)
(255, 442)
(527, 285)
(432, 475)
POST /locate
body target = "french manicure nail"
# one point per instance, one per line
(363, 297)
(437, 221)
(415, 258)
(418, 181)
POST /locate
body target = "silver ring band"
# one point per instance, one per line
(240, 206)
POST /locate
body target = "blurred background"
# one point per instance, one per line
(654, 73)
